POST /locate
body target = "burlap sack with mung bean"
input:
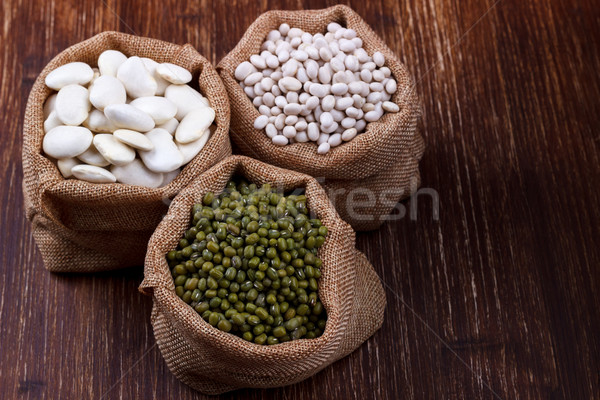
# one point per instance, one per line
(213, 361)
(377, 163)
(87, 227)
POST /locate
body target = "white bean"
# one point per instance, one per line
(289, 132)
(349, 134)
(283, 55)
(72, 104)
(67, 141)
(174, 73)
(348, 123)
(343, 103)
(372, 116)
(351, 63)
(114, 151)
(318, 90)
(366, 75)
(376, 86)
(292, 109)
(324, 75)
(291, 97)
(280, 121)
(268, 99)
(280, 101)
(325, 53)
(65, 165)
(390, 107)
(271, 131)
(77, 73)
(352, 112)
(128, 117)
(194, 124)
(391, 86)
(312, 102)
(347, 46)
(323, 138)
(159, 108)
(316, 87)
(272, 61)
(323, 148)
(258, 61)
(291, 119)
(355, 87)
(339, 89)
(93, 174)
(261, 121)
(264, 110)
(378, 75)
(301, 125)
(328, 103)
(253, 78)
(135, 77)
(313, 131)
(110, 61)
(312, 52)
(289, 83)
(331, 128)
(378, 59)
(335, 140)
(360, 125)
(107, 90)
(301, 137)
(326, 119)
(337, 64)
(280, 140)
(301, 75)
(53, 121)
(274, 35)
(312, 69)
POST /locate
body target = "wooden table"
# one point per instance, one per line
(496, 298)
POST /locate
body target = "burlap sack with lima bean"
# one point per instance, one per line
(87, 227)
(364, 177)
(213, 361)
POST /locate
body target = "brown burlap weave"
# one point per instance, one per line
(86, 227)
(385, 156)
(212, 361)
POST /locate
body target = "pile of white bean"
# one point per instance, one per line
(127, 106)
(320, 88)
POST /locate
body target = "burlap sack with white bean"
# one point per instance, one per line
(212, 361)
(87, 227)
(365, 177)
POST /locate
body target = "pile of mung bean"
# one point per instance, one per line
(249, 264)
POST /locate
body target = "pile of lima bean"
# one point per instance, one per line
(249, 264)
(101, 119)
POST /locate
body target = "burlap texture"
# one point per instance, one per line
(388, 151)
(86, 227)
(212, 361)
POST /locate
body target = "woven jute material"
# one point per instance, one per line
(86, 227)
(213, 361)
(389, 150)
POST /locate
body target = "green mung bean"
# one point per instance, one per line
(249, 264)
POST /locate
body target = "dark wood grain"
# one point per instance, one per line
(498, 298)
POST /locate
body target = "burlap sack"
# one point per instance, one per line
(389, 150)
(212, 361)
(86, 227)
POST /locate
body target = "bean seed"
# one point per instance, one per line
(332, 87)
(390, 107)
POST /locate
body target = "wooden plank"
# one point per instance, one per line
(498, 298)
